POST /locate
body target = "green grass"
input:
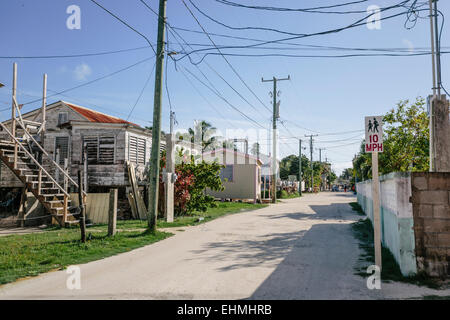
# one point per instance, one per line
(290, 196)
(363, 231)
(356, 207)
(223, 208)
(31, 254)
(56, 248)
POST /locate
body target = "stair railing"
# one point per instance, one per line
(17, 142)
(21, 122)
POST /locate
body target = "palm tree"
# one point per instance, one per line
(206, 132)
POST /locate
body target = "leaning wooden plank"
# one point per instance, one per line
(132, 181)
(132, 205)
(141, 206)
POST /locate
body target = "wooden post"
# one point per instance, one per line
(43, 110)
(82, 206)
(376, 209)
(66, 170)
(13, 109)
(85, 168)
(13, 113)
(22, 207)
(112, 214)
(39, 181)
(57, 161)
(65, 208)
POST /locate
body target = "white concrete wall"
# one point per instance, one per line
(397, 232)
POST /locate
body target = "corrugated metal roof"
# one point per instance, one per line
(95, 116)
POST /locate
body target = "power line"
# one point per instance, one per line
(142, 92)
(75, 55)
(226, 101)
(315, 56)
(357, 23)
(229, 64)
(126, 24)
(306, 10)
(92, 81)
(175, 34)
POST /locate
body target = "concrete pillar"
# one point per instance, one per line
(169, 199)
(168, 178)
(112, 214)
(442, 135)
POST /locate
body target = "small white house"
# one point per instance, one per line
(241, 175)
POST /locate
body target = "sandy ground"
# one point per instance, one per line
(298, 249)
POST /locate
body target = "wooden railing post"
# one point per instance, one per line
(15, 155)
(13, 110)
(65, 209)
(39, 181)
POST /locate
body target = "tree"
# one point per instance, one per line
(347, 174)
(406, 142)
(192, 181)
(289, 166)
(206, 133)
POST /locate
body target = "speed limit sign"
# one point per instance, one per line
(374, 134)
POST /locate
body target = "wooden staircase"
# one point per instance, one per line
(48, 193)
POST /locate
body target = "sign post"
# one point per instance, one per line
(374, 144)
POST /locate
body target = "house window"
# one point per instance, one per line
(63, 117)
(227, 173)
(99, 149)
(62, 143)
(136, 150)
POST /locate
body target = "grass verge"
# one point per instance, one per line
(223, 208)
(56, 248)
(290, 196)
(356, 207)
(31, 254)
(363, 231)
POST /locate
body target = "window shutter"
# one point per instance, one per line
(91, 143)
(62, 118)
(136, 150)
(62, 143)
(106, 150)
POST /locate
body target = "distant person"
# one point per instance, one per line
(345, 188)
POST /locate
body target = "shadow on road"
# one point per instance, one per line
(314, 263)
(252, 253)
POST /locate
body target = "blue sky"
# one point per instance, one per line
(324, 95)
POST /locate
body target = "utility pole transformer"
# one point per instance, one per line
(156, 130)
(276, 115)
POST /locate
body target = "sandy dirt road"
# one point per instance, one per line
(298, 249)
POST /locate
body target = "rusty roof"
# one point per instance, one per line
(95, 116)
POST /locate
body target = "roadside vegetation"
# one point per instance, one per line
(356, 207)
(363, 231)
(31, 254)
(56, 248)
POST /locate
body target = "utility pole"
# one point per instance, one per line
(276, 115)
(439, 151)
(311, 161)
(300, 166)
(156, 130)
